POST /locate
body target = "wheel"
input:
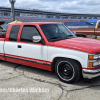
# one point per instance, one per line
(68, 70)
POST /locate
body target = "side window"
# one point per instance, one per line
(28, 32)
(99, 25)
(14, 33)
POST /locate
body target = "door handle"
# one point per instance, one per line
(19, 46)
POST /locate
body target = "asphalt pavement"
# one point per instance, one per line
(18, 82)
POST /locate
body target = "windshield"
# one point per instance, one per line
(54, 32)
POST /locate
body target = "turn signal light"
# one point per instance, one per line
(91, 57)
(90, 64)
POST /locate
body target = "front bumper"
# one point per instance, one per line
(89, 74)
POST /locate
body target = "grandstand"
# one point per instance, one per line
(27, 15)
(34, 19)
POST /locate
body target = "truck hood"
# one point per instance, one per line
(80, 44)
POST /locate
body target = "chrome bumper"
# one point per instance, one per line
(89, 74)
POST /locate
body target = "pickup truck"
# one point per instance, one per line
(51, 46)
(89, 32)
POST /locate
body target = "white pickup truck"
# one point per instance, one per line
(53, 47)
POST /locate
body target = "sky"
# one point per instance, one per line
(70, 6)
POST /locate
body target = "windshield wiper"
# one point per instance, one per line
(69, 35)
(54, 38)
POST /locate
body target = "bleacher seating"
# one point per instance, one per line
(33, 19)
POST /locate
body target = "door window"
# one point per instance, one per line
(28, 32)
(14, 33)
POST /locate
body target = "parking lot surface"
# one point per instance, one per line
(25, 78)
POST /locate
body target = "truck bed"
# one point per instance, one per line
(2, 36)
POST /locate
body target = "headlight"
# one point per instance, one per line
(96, 63)
(96, 57)
(94, 60)
(93, 57)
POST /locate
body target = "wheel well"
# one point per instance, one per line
(55, 60)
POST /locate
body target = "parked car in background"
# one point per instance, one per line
(89, 32)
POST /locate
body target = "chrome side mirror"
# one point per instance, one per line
(36, 39)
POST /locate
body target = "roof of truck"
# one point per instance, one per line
(38, 23)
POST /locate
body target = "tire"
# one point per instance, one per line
(68, 70)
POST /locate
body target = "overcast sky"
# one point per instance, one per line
(79, 6)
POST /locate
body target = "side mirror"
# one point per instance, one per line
(36, 39)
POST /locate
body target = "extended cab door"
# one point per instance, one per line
(10, 46)
(31, 54)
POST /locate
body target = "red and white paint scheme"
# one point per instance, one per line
(51, 46)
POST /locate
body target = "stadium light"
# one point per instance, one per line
(12, 9)
(12, 1)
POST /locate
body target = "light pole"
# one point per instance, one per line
(12, 9)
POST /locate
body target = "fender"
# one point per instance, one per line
(67, 53)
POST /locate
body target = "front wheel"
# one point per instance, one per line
(68, 70)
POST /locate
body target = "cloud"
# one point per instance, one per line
(86, 6)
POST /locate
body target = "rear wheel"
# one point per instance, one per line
(68, 70)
